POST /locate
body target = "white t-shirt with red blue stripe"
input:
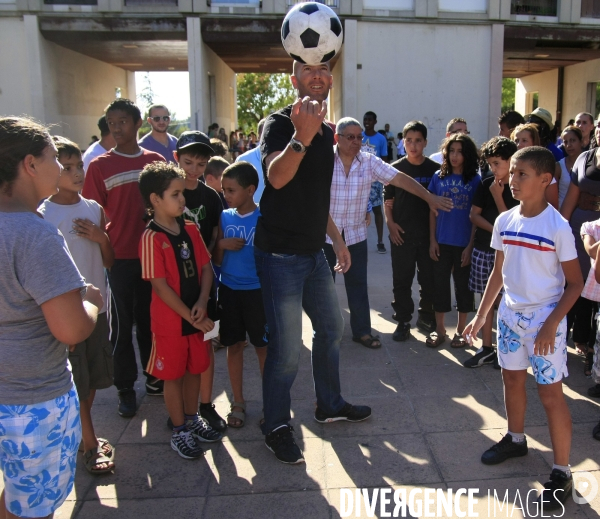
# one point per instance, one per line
(534, 249)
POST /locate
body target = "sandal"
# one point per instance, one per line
(372, 341)
(435, 339)
(107, 449)
(588, 364)
(95, 457)
(240, 415)
(458, 341)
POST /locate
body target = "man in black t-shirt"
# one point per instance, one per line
(297, 158)
(408, 222)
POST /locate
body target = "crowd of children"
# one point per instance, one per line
(170, 247)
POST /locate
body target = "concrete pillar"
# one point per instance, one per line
(131, 86)
(349, 86)
(496, 65)
(196, 72)
(34, 63)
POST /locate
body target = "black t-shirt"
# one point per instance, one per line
(294, 218)
(484, 199)
(189, 284)
(411, 212)
(203, 206)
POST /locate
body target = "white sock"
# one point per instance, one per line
(517, 437)
(563, 468)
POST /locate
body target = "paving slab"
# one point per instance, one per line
(136, 508)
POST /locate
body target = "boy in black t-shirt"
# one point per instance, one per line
(492, 197)
(408, 222)
(202, 206)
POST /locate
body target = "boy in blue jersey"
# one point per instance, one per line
(240, 297)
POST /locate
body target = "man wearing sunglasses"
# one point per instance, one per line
(158, 139)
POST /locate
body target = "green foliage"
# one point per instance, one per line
(508, 94)
(260, 94)
(146, 96)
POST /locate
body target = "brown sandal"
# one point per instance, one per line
(434, 340)
(458, 341)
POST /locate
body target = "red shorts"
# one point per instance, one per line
(171, 357)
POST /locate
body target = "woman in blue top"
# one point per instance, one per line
(452, 233)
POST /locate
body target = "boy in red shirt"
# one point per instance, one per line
(176, 262)
(111, 180)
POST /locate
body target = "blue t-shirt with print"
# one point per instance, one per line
(238, 269)
(376, 144)
(454, 227)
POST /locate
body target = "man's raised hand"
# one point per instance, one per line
(307, 117)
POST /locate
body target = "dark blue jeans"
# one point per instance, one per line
(290, 283)
(356, 286)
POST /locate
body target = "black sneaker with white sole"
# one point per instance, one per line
(503, 450)
(209, 413)
(484, 355)
(127, 403)
(184, 444)
(203, 432)
(556, 491)
(349, 413)
(381, 248)
(154, 386)
(281, 443)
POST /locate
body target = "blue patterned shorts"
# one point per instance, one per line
(376, 194)
(517, 332)
(38, 454)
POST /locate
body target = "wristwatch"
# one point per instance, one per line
(297, 146)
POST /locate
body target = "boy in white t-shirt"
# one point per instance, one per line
(82, 222)
(535, 255)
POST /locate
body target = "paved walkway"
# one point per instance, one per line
(431, 421)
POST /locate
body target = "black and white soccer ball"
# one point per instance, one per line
(312, 33)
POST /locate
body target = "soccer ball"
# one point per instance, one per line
(312, 33)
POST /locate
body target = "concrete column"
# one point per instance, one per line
(349, 86)
(196, 72)
(34, 63)
(496, 65)
(131, 86)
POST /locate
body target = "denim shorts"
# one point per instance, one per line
(38, 454)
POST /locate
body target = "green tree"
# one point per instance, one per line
(260, 94)
(508, 94)
(146, 95)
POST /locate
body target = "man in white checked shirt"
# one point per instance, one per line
(353, 173)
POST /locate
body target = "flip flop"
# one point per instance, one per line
(434, 340)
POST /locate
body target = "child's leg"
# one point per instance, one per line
(465, 299)
(235, 366)
(174, 400)
(206, 381)
(442, 296)
(190, 390)
(515, 398)
(487, 330)
(87, 427)
(559, 420)
(261, 353)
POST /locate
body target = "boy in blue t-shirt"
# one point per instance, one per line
(240, 297)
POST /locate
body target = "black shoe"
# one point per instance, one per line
(425, 326)
(484, 355)
(350, 413)
(127, 403)
(594, 391)
(503, 450)
(170, 423)
(395, 317)
(381, 248)
(596, 432)
(281, 443)
(556, 491)
(402, 332)
(209, 413)
(154, 386)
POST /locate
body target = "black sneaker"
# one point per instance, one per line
(381, 248)
(484, 355)
(281, 443)
(425, 325)
(209, 413)
(201, 431)
(154, 386)
(556, 491)
(350, 413)
(503, 450)
(184, 444)
(402, 332)
(127, 403)
(596, 432)
(594, 391)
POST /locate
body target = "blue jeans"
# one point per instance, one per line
(356, 286)
(290, 283)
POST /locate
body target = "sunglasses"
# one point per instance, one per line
(351, 137)
(158, 118)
